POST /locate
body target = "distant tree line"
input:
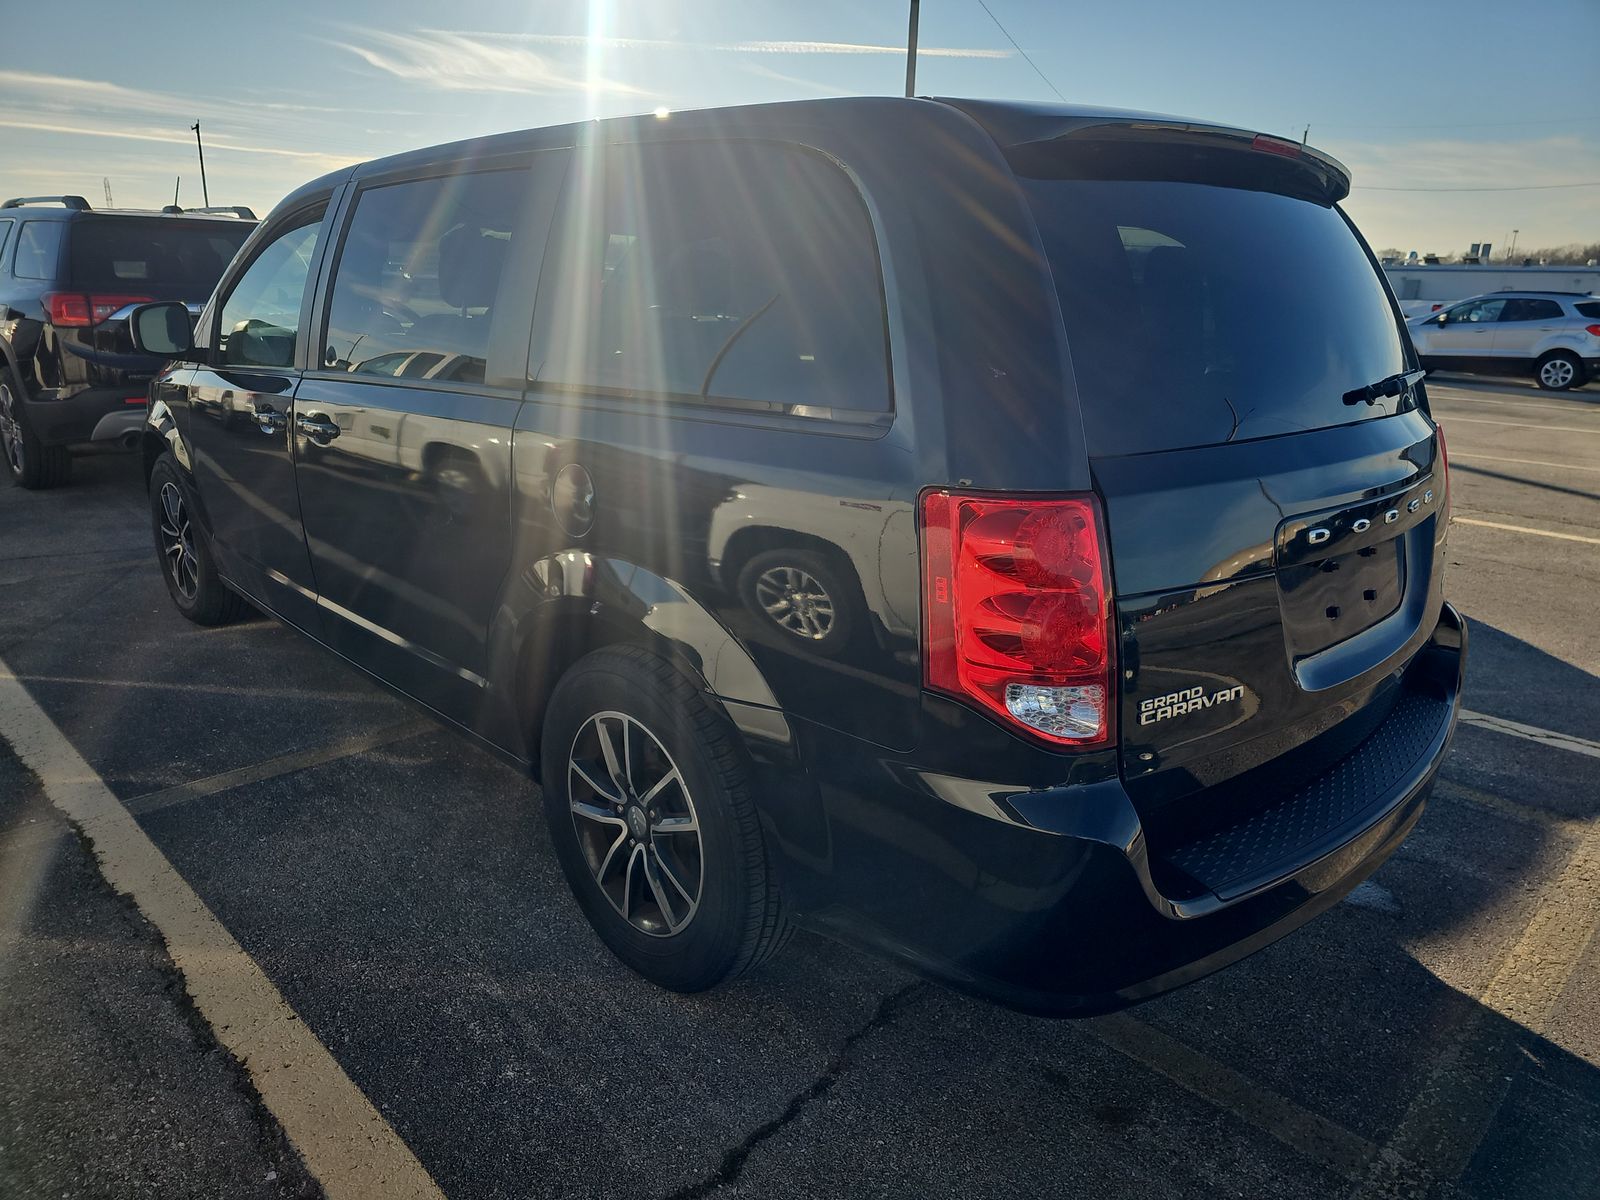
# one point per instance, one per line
(1572, 254)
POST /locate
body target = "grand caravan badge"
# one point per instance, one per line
(1176, 704)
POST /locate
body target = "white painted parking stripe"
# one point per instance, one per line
(344, 1141)
(1574, 409)
(1456, 455)
(1454, 419)
(1545, 737)
(1549, 533)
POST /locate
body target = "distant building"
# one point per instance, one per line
(1419, 286)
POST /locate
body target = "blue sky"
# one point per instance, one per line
(1460, 95)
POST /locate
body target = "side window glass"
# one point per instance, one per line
(5, 240)
(419, 272)
(38, 249)
(1541, 310)
(735, 271)
(261, 316)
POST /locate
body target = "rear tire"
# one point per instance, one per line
(658, 836)
(184, 553)
(1559, 371)
(30, 463)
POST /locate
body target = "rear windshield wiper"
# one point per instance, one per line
(1394, 385)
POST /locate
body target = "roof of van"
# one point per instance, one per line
(1008, 122)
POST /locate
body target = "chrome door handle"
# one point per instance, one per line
(318, 429)
(270, 420)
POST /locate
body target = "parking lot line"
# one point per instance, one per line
(344, 1141)
(1455, 1108)
(1315, 1137)
(1573, 409)
(1545, 737)
(1565, 537)
(1453, 418)
(271, 768)
(1521, 462)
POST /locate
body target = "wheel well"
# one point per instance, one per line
(752, 540)
(153, 446)
(1560, 352)
(558, 642)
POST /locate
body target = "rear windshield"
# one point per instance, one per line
(128, 253)
(1588, 308)
(1199, 314)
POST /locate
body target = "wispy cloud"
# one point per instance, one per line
(809, 85)
(753, 47)
(467, 62)
(123, 131)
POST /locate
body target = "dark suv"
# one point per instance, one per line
(956, 527)
(69, 276)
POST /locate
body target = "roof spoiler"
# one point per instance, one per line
(1026, 134)
(76, 203)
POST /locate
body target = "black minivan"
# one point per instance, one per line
(1009, 537)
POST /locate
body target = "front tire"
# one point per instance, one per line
(30, 463)
(1558, 371)
(183, 551)
(648, 804)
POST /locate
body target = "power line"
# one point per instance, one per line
(1022, 52)
(1531, 187)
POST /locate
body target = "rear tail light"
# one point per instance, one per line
(74, 309)
(1017, 612)
(1592, 330)
(1436, 308)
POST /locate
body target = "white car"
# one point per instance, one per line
(1554, 336)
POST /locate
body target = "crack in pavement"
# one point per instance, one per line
(734, 1159)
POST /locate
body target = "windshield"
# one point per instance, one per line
(185, 259)
(1199, 314)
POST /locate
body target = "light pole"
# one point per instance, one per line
(205, 194)
(911, 52)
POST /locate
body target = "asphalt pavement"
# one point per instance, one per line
(1438, 1033)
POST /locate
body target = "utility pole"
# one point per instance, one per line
(1512, 249)
(911, 51)
(106, 180)
(205, 194)
(178, 183)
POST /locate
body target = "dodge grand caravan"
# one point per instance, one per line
(1007, 537)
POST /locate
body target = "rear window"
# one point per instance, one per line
(1199, 314)
(186, 259)
(1589, 309)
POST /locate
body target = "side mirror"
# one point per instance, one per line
(161, 329)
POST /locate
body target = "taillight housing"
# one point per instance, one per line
(77, 310)
(1592, 330)
(1017, 612)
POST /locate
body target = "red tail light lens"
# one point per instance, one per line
(1017, 612)
(74, 309)
(1592, 330)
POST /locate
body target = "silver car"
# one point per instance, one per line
(1554, 336)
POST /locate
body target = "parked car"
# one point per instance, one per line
(1045, 389)
(1553, 336)
(69, 276)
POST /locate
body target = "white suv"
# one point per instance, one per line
(1555, 336)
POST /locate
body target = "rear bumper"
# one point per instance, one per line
(95, 414)
(1052, 900)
